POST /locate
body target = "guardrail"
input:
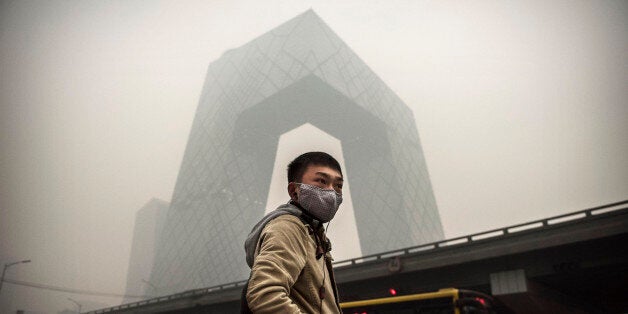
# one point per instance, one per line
(581, 215)
(189, 293)
(536, 224)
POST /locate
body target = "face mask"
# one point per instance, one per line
(321, 204)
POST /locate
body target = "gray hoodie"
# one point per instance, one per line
(251, 241)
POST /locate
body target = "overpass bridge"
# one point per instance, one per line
(572, 263)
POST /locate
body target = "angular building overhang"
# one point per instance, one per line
(299, 72)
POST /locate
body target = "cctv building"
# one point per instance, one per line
(300, 72)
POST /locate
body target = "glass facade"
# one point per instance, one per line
(299, 72)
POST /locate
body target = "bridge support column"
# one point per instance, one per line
(521, 295)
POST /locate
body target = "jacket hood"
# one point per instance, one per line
(251, 241)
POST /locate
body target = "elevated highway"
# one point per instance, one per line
(572, 263)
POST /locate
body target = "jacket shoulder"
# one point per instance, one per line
(286, 224)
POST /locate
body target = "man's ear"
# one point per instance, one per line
(292, 191)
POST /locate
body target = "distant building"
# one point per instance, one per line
(148, 225)
(300, 72)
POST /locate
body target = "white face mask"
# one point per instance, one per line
(321, 204)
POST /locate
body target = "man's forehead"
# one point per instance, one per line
(323, 171)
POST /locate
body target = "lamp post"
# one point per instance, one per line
(148, 283)
(151, 291)
(9, 265)
(77, 304)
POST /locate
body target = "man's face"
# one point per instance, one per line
(321, 176)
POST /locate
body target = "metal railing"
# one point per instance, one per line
(536, 224)
(581, 215)
(188, 293)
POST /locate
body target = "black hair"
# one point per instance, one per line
(297, 167)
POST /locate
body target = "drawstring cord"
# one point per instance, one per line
(321, 290)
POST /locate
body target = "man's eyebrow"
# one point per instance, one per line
(327, 176)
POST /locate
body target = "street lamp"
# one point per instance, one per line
(149, 291)
(148, 283)
(77, 304)
(9, 265)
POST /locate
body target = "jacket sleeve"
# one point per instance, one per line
(280, 260)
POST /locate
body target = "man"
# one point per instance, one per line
(288, 251)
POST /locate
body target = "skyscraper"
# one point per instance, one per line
(299, 72)
(149, 221)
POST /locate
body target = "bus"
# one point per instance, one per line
(444, 301)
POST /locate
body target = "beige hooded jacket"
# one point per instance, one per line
(286, 276)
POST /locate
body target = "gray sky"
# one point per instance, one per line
(520, 106)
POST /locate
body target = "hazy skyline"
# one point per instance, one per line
(521, 110)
